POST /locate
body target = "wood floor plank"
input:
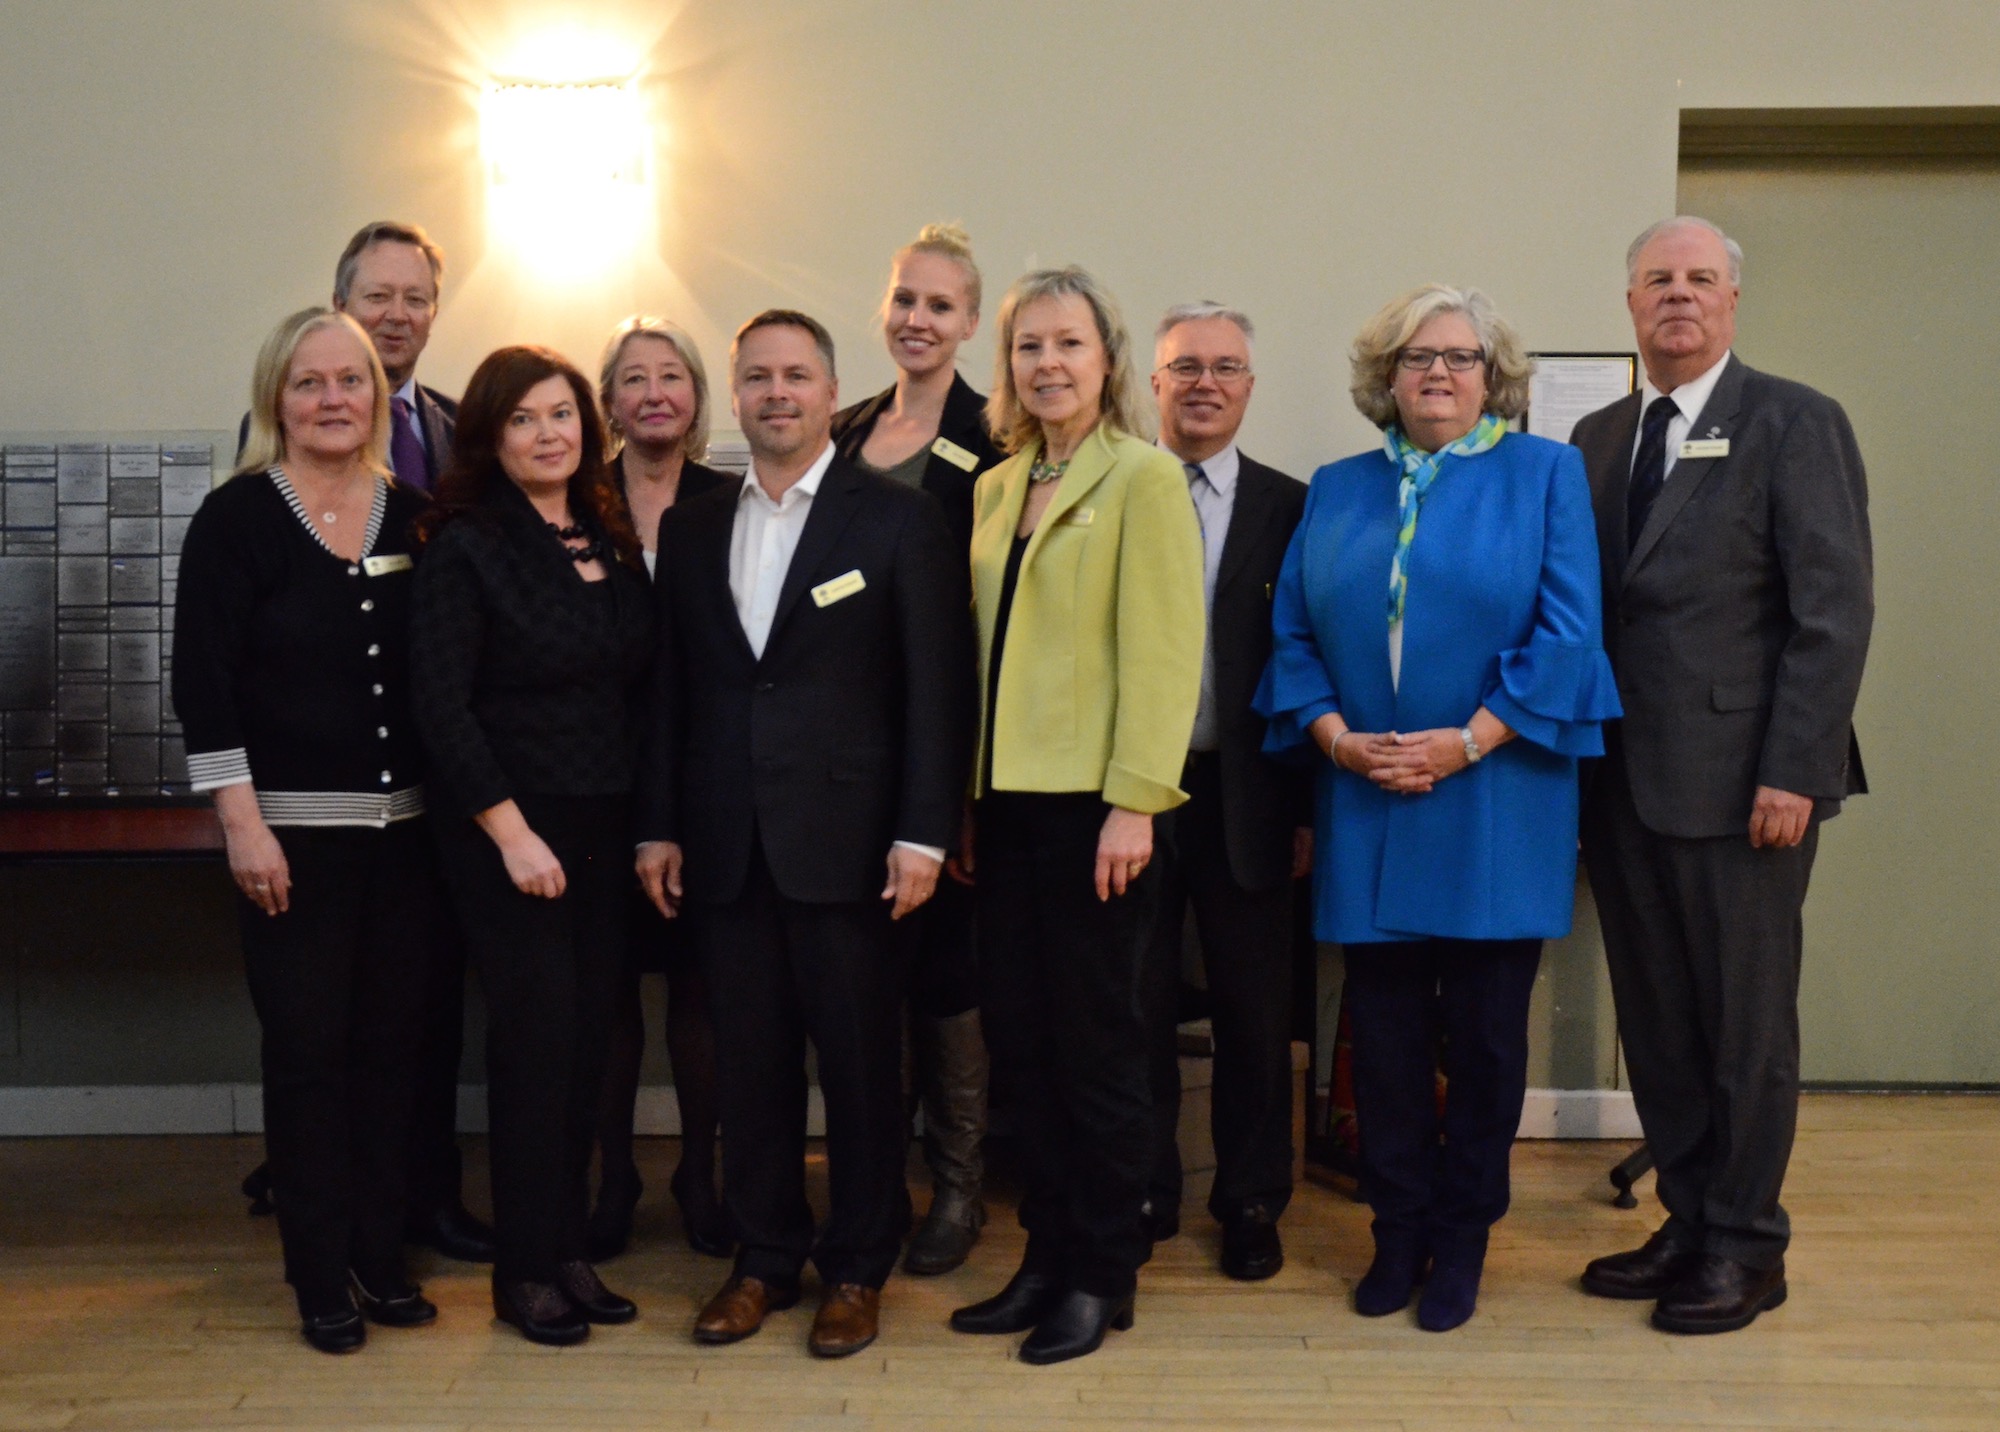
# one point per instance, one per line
(135, 1295)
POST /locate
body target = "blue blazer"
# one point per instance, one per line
(1502, 610)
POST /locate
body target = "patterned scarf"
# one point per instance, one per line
(1420, 470)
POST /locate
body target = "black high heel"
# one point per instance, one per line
(1027, 1298)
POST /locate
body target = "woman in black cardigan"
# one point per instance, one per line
(529, 638)
(654, 387)
(928, 430)
(291, 660)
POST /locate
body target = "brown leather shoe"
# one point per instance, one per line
(739, 1308)
(848, 1319)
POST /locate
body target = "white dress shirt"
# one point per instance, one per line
(761, 543)
(1688, 399)
(1214, 496)
(762, 540)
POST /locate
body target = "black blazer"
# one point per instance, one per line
(437, 416)
(1262, 800)
(963, 423)
(524, 678)
(1738, 623)
(852, 731)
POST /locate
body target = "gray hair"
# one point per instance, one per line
(1013, 428)
(694, 442)
(1208, 308)
(385, 231)
(1382, 338)
(1684, 221)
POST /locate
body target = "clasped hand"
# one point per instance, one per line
(1407, 762)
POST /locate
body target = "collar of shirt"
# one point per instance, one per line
(408, 392)
(1690, 398)
(753, 490)
(1220, 470)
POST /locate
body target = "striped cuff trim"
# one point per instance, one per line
(325, 808)
(210, 769)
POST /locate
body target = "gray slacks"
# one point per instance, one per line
(1703, 938)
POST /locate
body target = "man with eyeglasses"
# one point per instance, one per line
(1233, 851)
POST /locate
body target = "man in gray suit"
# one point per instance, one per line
(1732, 523)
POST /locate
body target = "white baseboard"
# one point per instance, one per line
(239, 1109)
(1579, 1114)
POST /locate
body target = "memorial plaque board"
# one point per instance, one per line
(82, 581)
(135, 708)
(82, 651)
(135, 497)
(135, 656)
(82, 529)
(27, 633)
(84, 700)
(30, 504)
(135, 579)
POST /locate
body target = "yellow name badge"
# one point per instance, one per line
(957, 456)
(1079, 517)
(839, 589)
(1705, 447)
(383, 566)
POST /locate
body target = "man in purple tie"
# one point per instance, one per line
(387, 281)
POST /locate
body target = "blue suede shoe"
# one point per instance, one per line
(1391, 1280)
(1449, 1297)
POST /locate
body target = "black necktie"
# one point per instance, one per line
(1649, 468)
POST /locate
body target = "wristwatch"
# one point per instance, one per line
(1472, 751)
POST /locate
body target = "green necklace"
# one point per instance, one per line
(1042, 472)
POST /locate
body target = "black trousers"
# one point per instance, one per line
(436, 1173)
(1063, 980)
(1247, 953)
(337, 983)
(1704, 940)
(549, 970)
(944, 967)
(1414, 1005)
(782, 972)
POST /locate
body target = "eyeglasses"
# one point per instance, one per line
(1458, 360)
(1189, 370)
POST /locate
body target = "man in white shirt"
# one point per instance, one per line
(806, 771)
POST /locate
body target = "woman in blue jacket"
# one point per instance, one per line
(1438, 640)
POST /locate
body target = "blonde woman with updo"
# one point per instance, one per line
(928, 430)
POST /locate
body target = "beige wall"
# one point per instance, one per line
(177, 175)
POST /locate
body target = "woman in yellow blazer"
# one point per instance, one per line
(1087, 582)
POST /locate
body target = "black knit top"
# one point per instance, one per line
(525, 677)
(291, 664)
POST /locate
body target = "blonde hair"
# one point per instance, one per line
(1384, 336)
(947, 241)
(694, 442)
(1012, 426)
(265, 446)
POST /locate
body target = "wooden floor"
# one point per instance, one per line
(135, 1293)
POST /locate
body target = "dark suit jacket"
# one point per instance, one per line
(1262, 800)
(1738, 622)
(852, 731)
(964, 423)
(437, 416)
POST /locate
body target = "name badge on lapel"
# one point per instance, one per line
(383, 566)
(957, 456)
(1705, 447)
(839, 589)
(1079, 517)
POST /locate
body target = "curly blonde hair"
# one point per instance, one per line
(1013, 427)
(1384, 336)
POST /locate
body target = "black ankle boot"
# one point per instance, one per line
(1075, 1327)
(1015, 1308)
(609, 1231)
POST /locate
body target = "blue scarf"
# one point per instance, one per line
(1420, 469)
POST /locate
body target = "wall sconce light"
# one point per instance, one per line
(566, 168)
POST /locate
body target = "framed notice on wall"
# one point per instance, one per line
(1569, 386)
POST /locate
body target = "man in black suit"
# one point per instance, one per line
(814, 691)
(1244, 836)
(387, 281)
(1732, 523)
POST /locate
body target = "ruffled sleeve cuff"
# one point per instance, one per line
(1292, 695)
(1558, 695)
